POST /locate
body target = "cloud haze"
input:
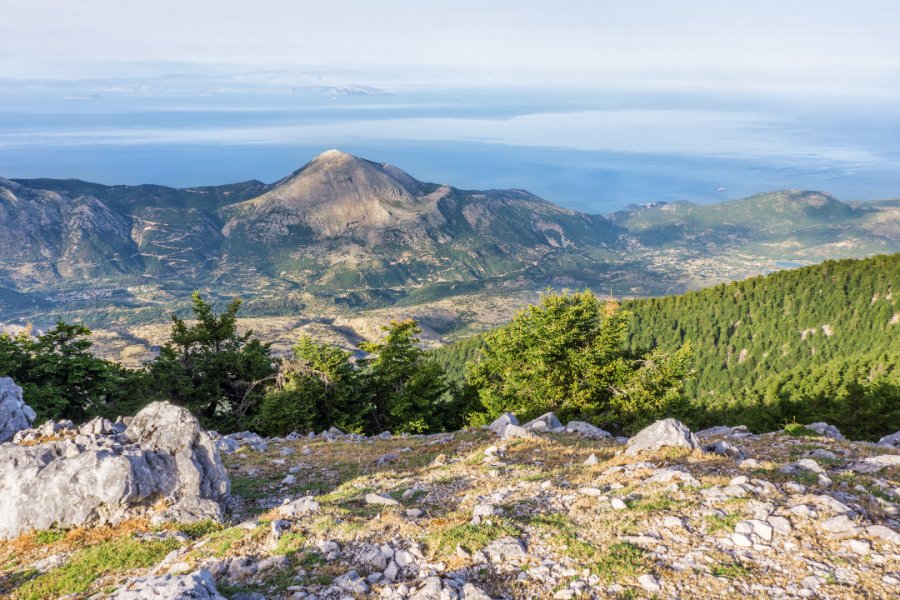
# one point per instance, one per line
(766, 43)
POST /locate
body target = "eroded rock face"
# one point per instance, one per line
(101, 479)
(15, 415)
(668, 432)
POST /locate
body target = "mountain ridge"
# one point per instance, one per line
(346, 231)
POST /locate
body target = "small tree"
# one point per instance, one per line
(406, 388)
(568, 355)
(61, 379)
(317, 389)
(211, 368)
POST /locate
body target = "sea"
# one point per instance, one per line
(587, 148)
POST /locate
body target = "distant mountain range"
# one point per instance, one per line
(350, 232)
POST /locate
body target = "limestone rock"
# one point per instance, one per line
(506, 549)
(99, 480)
(738, 431)
(301, 506)
(723, 448)
(372, 498)
(502, 421)
(514, 431)
(891, 441)
(192, 586)
(587, 430)
(545, 422)
(15, 415)
(668, 432)
(826, 430)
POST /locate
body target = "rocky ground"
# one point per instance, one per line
(476, 515)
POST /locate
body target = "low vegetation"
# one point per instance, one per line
(814, 344)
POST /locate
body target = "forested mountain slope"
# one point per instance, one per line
(792, 344)
(817, 343)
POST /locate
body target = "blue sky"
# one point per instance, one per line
(792, 45)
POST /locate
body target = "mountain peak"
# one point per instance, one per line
(333, 155)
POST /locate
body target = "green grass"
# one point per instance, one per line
(220, 542)
(620, 560)
(731, 571)
(472, 538)
(611, 563)
(89, 564)
(289, 543)
(797, 430)
(200, 528)
(49, 536)
(716, 523)
(655, 503)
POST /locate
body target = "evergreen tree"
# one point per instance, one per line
(568, 355)
(62, 379)
(406, 388)
(317, 389)
(210, 368)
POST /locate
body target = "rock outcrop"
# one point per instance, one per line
(192, 586)
(545, 422)
(891, 441)
(163, 466)
(15, 415)
(668, 432)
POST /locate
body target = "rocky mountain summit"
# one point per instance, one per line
(540, 510)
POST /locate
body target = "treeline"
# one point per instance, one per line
(812, 344)
(568, 355)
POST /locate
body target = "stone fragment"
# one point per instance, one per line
(650, 583)
(514, 431)
(351, 582)
(618, 504)
(198, 585)
(838, 524)
(472, 592)
(826, 430)
(739, 431)
(668, 432)
(544, 423)
(373, 498)
(723, 448)
(506, 549)
(299, 507)
(757, 527)
(587, 430)
(890, 441)
(874, 464)
(884, 533)
(502, 421)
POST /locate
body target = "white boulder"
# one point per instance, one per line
(668, 432)
(15, 415)
(163, 457)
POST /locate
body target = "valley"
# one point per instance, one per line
(345, 244)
